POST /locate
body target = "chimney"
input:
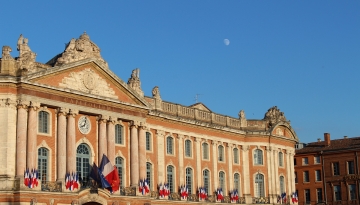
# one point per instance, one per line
(345, 137)
(327, 139)
(319, 139)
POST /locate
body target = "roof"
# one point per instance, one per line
(337, 144)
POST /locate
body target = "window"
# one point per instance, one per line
(317, 160)
(148, 141)
(352, 191)
(281, 160)
(305, 161)
(306, 176)
(149, 173)
(43, 164)
(282, 184)
(170, 177)
(350, 166)
(43, 122)
(222, 181)
(294, 161)
(307, 196)
(237, 182)
(119, 134)
(296, 178)
(258, 158)
(221, 153)
(336, 169)
(83, 161)
(205, 148)
(259, 185)
(236, 156)
(119, 163)
(187, 148)
(337, 193)
(206, 177)
(317, 175)
(319, 195)
(189, 179)
(169, 145)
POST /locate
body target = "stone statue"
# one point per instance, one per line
(26, 58)
(242, 114)
(134, 81)
(156, 92)
(6, 53)
(273, 115)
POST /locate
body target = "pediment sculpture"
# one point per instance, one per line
(273, 115)
(134, 81)
(26, 59)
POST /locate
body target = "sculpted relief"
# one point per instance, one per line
(88, 81)
(26, 59)
(273, 115)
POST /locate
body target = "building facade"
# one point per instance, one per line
(61, 116)
(328, 171)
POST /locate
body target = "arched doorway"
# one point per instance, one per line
(82, 161)
(92, 203)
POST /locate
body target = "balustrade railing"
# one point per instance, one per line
(261, 200)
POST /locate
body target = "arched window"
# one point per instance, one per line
(43, 122)
(222, 181)
(43, 154)
(282, 184)
(189, 179)
(259, 185)
(119, 139)
(169, 145)
(82, 161)
(170, 178)
(237, 182)
(258, 157)
(205, 148)
(119, 163)
(187, 148)
(236, 156)
(148, 141)
(206, 178)
(281, 159)
(221, 153)
(149, 173)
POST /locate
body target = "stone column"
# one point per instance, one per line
(142, 151)
(134, 154)
(276, 165)
(111, 140)
(230, 164)
(70, 142)
(292, 172)
(268, 165)
(246, 174)
(21, 138)
(61, 144)
(102, 119)
(181, 159)
(272, 167)
(32, 136)
(198, 162)
(288, 173)
(160, 137)
(215, 163)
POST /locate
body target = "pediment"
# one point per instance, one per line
(88, 77)
(200, 106)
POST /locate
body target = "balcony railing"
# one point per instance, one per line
(261, 200)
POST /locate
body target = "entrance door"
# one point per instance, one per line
(82, 162)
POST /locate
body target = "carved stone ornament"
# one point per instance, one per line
(6, 53)
(78, 49)
(26, 59)
(242, 114)
(89, 82)
(156, 92)
(134, 81)
(273, 115)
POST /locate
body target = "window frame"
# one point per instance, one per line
(317, 159)
(188, 148)
(221, 153)
(336, 168)
(306, 176)
(259, 185)
(205, 151)
(319, 196)
(337, 193)
(237, 182)
(206, 180)
(318, 177)
(258, 156)
(222, 181)
(350, 167)
(189, 179)
(43, 160)
(281, 159)
(352, 192)
(41, 123)
(305, 161)
(170, 176)
(148, 141)
(119, 135)
(119, 163)
(149, 174)
(170, 148)
(307, 196)
(282, 184)
(236, 156)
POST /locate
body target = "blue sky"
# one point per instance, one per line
(303, 56)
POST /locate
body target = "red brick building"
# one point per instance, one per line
(328, 171)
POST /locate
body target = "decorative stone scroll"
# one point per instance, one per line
(6, 53)
(89, 82)
(273, 115)
(134, 82)
(78, 49)
(26, 60)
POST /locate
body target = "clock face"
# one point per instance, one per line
(84, 124)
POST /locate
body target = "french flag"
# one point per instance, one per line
(107, 173)
(26, 177)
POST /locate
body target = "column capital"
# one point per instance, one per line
(111, 120)
(72, 113)
(268, 148)
(61, 111)
(198, 139)
(34, 105)
(142, 125)
(245, 147)
(214, 142)
(230, 145)
(180, 136)
(102, 118)
(160, 133)
(22, 104)
(134, 123)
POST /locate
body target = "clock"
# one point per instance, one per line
(84, 124)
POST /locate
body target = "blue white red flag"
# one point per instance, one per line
(234, 195)
(107, 173)
(283, 197)
(161, 191)
(184, 191)
(219, 194)
(26, 177)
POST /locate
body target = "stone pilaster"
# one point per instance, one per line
(61, 143)
(32, 136)
(246, 173)
(288, 172)
(70, 142)
(181, 159)
(230, 148)
(160, 137)
(111, 139)
(215, 169)
(276, 166)
(273, 176)
(269, 178)
(134, 154)
(142, 151)
(102, 119)
(292, 173)
(198, 174)
(21, 138)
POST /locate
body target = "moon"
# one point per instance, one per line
(226, 41)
